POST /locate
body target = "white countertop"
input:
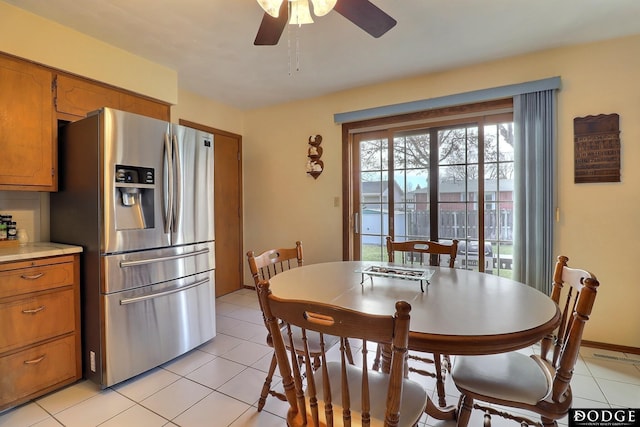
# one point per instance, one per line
(36, 250)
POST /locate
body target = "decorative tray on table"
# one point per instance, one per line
(418, 274)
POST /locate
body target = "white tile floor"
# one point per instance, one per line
(218, 385)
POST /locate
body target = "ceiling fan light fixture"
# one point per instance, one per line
(300, 13)
(322, 7)
(272, 7)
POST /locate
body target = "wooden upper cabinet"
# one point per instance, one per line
(75, 97)
(32, 98)
(144, 106)
(78, 97)
(27, 139)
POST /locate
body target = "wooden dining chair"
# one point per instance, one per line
(537, 383)
(340, 393)
(274, 261)
(263, 267)
(424, 252)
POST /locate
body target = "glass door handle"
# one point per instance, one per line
(356, 223)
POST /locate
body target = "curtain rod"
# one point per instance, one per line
(448, 100)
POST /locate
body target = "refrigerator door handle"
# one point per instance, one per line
(178, 187)
(168, 214)
(125, 264)
(153, 295)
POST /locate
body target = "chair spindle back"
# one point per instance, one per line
(415, 250)
(332, 396)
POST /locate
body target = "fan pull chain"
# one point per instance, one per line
(297, 49)
(289, 48)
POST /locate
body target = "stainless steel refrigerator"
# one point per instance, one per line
(137, 194)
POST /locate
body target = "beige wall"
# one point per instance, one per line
(598, 227)
(207, 112)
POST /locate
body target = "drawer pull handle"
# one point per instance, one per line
(35, 361)
(162, 293)
(136, 263)
(33, 310)
(32, 276)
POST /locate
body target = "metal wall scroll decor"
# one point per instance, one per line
(597, 148)
(315, 166)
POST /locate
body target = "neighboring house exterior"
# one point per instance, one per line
(458, 218)
(374, 193)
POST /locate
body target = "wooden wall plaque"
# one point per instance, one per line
(597, 148)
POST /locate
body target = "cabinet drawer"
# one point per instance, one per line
(37, 368)
(38, 278)
(37, 318)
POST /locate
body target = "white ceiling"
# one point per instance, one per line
(210, 42)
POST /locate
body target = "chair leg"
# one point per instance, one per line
(347, 349)
(522, 420)
(546, 422)
(267, 383)
(487, 419)
(464, 410)
(376, 360)
(446, 362)
(316, 363)
(442, 399)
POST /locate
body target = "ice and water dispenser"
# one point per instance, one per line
(134, 188)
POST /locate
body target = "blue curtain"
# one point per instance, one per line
(534, 116)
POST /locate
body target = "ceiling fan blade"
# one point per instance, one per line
(365, 15)
(271, 28)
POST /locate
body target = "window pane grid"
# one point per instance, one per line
(460, 196)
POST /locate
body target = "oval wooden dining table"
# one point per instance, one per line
(460, 312)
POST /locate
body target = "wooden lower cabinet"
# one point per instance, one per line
(37, 370)
(39, 327)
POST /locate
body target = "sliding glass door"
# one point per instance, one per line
(437, 183)
(371, 195)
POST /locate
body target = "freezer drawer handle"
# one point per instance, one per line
(125, 264)
(162, 293)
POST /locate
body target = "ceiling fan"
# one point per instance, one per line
(362, 13)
